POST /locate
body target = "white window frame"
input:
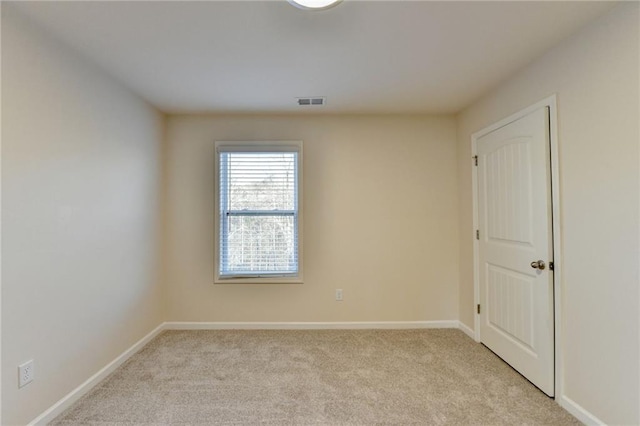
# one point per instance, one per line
(257, 146)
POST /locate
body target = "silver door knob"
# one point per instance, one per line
(538, 264)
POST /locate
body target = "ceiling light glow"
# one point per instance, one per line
(314, 4)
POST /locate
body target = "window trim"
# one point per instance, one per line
(257, 146)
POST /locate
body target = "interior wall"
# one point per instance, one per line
(80, 187)
(380, 220)
(595, 74)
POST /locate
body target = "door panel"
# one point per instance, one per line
(514, 211)
(511, 291)
(509, 189)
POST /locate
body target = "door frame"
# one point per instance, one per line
(551, 103)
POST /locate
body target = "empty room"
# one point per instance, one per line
(316, 212)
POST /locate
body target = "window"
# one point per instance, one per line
(258, 211)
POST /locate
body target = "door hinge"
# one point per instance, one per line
(478, 308)
(477, 234)
(475, 159)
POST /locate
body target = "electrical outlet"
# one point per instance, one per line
(25, 373)
(339, 295)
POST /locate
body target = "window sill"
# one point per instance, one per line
(275, 280)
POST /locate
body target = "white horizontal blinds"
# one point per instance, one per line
(258, 213)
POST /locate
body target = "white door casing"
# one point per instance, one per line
(515, 228)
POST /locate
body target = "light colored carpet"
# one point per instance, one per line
(315, 377)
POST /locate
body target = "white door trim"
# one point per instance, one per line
(550, 102)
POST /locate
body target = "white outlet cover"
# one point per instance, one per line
(25, 373)
(339, 294)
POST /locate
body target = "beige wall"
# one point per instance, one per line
(595, 75)
(80, 183)
(380, 220)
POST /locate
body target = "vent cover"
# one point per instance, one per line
(315, 101)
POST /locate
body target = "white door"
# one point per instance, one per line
(515, 246)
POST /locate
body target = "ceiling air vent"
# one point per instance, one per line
(319, 100)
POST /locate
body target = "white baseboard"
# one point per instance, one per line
(85, 387)
(309, 325)
(467, 330)
(578, 412)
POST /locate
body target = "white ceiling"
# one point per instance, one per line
(364, 56)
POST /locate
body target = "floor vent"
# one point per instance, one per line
(317, 101)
